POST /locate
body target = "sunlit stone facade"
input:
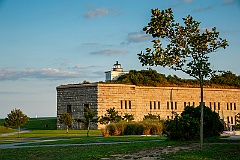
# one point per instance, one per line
(139, 100)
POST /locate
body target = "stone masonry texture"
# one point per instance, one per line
(141, 100)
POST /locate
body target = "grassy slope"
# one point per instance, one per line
(45, 123)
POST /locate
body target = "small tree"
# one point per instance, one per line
(66, 119)
(128, 117)
(16, 118)
(186, 50)
(111, 116)
(150, 116)
(89, 117)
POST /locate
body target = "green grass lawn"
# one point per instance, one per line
(39, 135)
(219, 151)
(225, 151)
(43, 123)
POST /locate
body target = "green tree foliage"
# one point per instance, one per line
(89, 118)
(226, 78)
(66, 119)
(144, 77)
(111, 116)
(187, 46)
(128, 117)
(150, 116)
(186, 126)
(16, 118)
(151, 78)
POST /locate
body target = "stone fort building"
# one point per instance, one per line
(141, 100)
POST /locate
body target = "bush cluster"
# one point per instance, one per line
(186, 126)
(145, 127)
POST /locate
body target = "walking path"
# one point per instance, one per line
(24, 144)
(12, 133)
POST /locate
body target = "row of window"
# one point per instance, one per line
(231, 106)
(173, 105)
(154, 105)
(170, 105)
(230, 120)
(126, 104)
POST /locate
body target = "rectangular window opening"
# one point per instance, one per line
(69, 108)
(158, 105)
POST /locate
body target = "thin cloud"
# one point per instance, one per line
(230, 2)
(138, 37)
(96, 13)
(108, 52)
(46, 73)
(188, 1)
(89, 43)
(200, 9)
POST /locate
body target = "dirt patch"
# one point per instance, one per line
(156, 152)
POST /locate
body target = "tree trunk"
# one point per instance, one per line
(67, 128)
(201, 120)
(18, 131)
(88, 128)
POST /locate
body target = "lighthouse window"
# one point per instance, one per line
(130, 105)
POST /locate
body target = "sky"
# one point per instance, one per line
(46, 43)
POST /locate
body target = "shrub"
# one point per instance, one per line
(105, 132)
(120, 128)
(152, 126)
(186, 126)
(112, 129)
(133, 129)
(156, 128)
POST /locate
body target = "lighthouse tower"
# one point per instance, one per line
(116, 72)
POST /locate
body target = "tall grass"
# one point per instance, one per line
(145, 127)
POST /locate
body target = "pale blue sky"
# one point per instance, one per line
(46, 43)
